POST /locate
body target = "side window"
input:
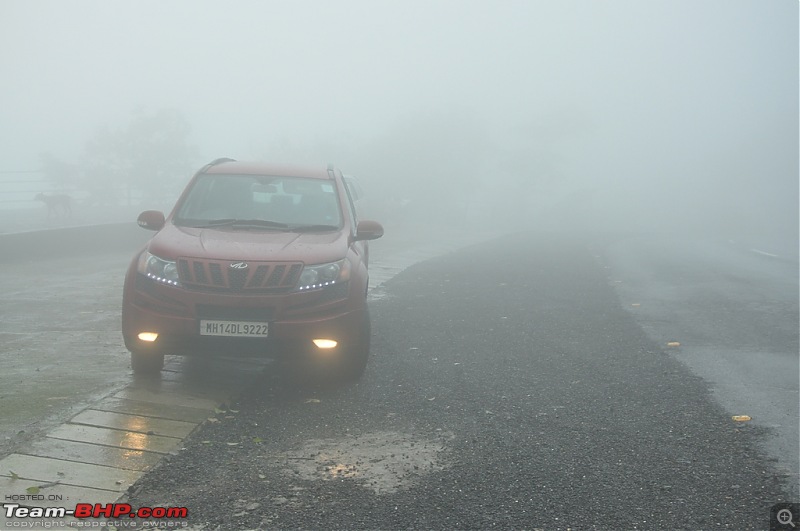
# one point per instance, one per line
(352, 188)
(350, 206)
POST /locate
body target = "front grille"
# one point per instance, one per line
(275, 276)
(257, 277)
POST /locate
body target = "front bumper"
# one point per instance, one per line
(174, 313)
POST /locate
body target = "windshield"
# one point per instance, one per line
(258, 202)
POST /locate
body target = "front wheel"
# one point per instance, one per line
(355, 356)
(143, 362)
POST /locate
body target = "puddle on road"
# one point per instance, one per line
(377, 294)
(382, 461)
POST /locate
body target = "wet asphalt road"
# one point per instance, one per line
(734, 309)
(509, 388)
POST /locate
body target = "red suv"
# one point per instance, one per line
(255, 259)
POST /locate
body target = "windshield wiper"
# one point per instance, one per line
(244, 224)
(312, 228)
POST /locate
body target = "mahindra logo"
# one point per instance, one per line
(239, 265)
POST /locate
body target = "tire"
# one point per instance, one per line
(354, 360)
(143, 362)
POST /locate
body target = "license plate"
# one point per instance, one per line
(233, 328)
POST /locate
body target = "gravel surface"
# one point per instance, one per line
(508, 389)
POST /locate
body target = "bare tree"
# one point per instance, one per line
(145, 162)
(59, 173)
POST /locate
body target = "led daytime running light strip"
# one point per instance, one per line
(162, 280)
(314, 286)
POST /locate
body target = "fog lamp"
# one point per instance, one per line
(325, 343)
(148, 336)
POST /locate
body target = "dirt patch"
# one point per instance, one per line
(383, 461)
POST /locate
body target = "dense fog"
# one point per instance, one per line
(620, 115)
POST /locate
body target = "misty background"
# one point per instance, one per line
(677, 115)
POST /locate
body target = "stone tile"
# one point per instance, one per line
(165, 397)
(49, 470)
(181, 386)
(116, 438)
(153, 409)
(93, 453)
(136, 423)
(67, 496)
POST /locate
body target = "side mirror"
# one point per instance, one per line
(368, 230)
(151, 220)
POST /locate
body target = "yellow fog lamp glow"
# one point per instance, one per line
(324, 343)
(148, 336)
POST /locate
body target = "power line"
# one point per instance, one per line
(21, 171)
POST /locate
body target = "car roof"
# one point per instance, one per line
(267, 168)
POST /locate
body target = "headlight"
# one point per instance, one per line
(319, 276)
(158, 269)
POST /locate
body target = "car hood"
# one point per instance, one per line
(173, 242)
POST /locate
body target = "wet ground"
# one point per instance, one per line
(60, 341)
(76, 424)
(502, 393)
(74, 410)
(60, 326)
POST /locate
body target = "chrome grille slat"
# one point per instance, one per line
(184, 271)
(275, 277)
(294, 275)
(200, 272)
(217, 276)
(237, 278)
(258, 278)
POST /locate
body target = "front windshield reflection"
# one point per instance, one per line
(260, 202)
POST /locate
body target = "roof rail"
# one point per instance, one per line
(214, 163)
